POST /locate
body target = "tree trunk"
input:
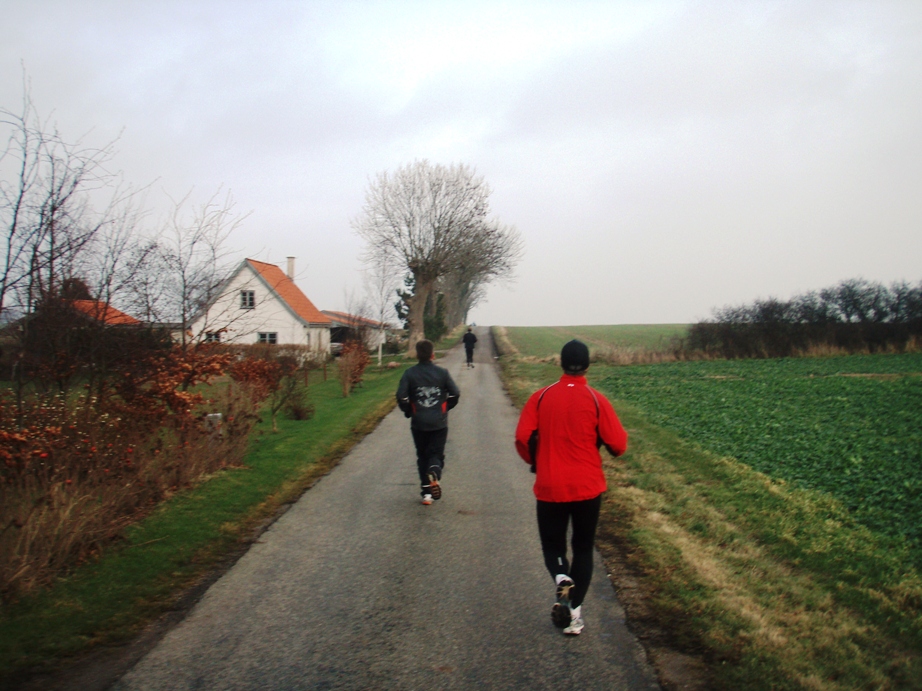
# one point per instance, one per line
(416, 314)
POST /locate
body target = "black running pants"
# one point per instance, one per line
(553, 519)
(430, 453)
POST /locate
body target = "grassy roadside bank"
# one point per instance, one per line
(110, 600)
(758, 583)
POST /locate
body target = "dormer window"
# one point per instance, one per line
(247, 299)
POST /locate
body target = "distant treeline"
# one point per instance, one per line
(854, 316)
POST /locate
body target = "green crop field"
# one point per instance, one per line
(548, 340)
(849, 426)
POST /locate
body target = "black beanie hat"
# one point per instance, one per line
(574, 357)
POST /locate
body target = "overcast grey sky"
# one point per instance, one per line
(659, 159)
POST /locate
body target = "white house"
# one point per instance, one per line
(259, 303)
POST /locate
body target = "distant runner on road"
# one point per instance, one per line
(559, 433)
(426, 393)
(469, 340)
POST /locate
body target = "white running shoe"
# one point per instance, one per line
(427, 499)
(576, 625)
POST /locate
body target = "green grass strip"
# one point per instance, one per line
(109, 600)
(547, 341)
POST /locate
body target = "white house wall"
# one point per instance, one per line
(269, 315)
(374, 338)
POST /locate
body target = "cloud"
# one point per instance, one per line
(659, 159)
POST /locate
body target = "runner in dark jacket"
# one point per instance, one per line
(426, 393)
(469, 341)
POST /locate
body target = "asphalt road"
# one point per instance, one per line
(359, 586)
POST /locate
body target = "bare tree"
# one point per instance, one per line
(380, 284)
(425, 219)
(186, 268)
(119, 252)
(47, 190)
(68, 226)
(487, 255)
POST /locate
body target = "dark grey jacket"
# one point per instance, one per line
(426, 393)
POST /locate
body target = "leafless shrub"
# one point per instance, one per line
(297, 406)
(853, 317)
(73, 479)
(351, 366)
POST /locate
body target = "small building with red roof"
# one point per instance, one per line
(260, 303)
(104, 312)
(345, 326)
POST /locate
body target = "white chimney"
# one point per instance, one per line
(291, 268)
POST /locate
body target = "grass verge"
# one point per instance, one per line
(547, 341)
(771, 587)
(108, 601)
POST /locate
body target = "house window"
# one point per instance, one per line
(247, 299)
(271, 338)
(213, 337)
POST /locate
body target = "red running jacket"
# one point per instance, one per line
(572, 421)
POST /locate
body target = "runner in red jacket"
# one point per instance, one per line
(560, 431)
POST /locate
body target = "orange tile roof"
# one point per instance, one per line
(286, 289)
(101, 311)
